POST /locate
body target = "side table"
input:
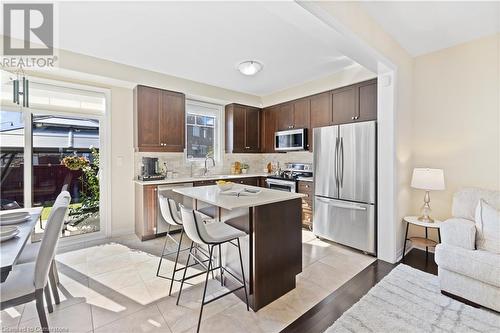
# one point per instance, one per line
(421, 240)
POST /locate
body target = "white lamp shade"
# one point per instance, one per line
(428, 179)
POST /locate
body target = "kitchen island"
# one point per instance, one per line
(272, 249)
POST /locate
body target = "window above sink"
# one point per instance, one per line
(203, 131)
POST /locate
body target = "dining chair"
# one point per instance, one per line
(27, 282)
(30, 253)
(213, 235)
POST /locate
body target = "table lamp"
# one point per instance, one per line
(428, 180)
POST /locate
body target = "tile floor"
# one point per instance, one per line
(112, 287)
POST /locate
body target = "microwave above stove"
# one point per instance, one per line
(291, 140)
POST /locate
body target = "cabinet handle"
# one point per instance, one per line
(247, 147)
(353, 118)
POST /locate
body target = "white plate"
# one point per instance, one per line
(12, 214)
(7, 230)
(8, 222)
(4, 238)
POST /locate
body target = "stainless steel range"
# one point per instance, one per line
(286, 180)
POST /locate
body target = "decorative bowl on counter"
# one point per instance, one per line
(224, 185)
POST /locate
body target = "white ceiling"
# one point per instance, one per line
(423, 27)
(204, 41)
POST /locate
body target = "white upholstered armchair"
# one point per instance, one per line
(466, 268)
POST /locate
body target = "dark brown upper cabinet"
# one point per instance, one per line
(357, 102)
(302, 117)
(344, 105)
(321, 114)
(302, 113)
(367, 100)
(242, 129)
(294, 114)
(159, 120)
(321, 110)
(285, 117)
(269, 125)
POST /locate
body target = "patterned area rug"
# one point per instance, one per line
(409, 300)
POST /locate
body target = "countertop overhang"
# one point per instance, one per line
(212, 195)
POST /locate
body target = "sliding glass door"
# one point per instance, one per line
(65, 156)
(11, 159)
(55, 145)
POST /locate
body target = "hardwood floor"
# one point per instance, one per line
(416, 258)
(324, 314)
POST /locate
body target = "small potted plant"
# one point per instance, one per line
(244, 168)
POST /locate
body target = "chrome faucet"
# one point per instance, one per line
(205, 169)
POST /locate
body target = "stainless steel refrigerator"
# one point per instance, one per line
(345, 184)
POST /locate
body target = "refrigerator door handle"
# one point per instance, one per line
(341, 151)
(341, 205)
(337, 162)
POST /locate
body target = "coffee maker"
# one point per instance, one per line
(149, 169)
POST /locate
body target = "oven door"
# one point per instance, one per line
(281, 185)
(290, 140)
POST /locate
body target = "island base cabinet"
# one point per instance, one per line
(271, 251)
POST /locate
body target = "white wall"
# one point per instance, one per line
(122, 161)
(456, 119)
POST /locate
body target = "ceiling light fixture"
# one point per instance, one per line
(250, 67)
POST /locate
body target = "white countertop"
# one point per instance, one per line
(199, 178)
(211, 195)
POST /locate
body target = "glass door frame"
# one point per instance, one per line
(104, 149)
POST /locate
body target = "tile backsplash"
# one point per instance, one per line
(176, 162)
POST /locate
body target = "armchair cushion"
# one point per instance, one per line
(488, 228)
(476, 264)
(458, 232)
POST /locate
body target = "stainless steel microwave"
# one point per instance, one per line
(291, 140)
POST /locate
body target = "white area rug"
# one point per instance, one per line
(409, 300)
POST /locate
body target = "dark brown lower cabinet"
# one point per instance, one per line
(262, 181)
(307, 214)
(146, 211)
(204, 183)
(253, 181)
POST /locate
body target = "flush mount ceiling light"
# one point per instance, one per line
(250, 67)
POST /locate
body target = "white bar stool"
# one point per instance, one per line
(212, 235)
(170, 213)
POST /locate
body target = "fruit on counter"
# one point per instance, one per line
(222, 182)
